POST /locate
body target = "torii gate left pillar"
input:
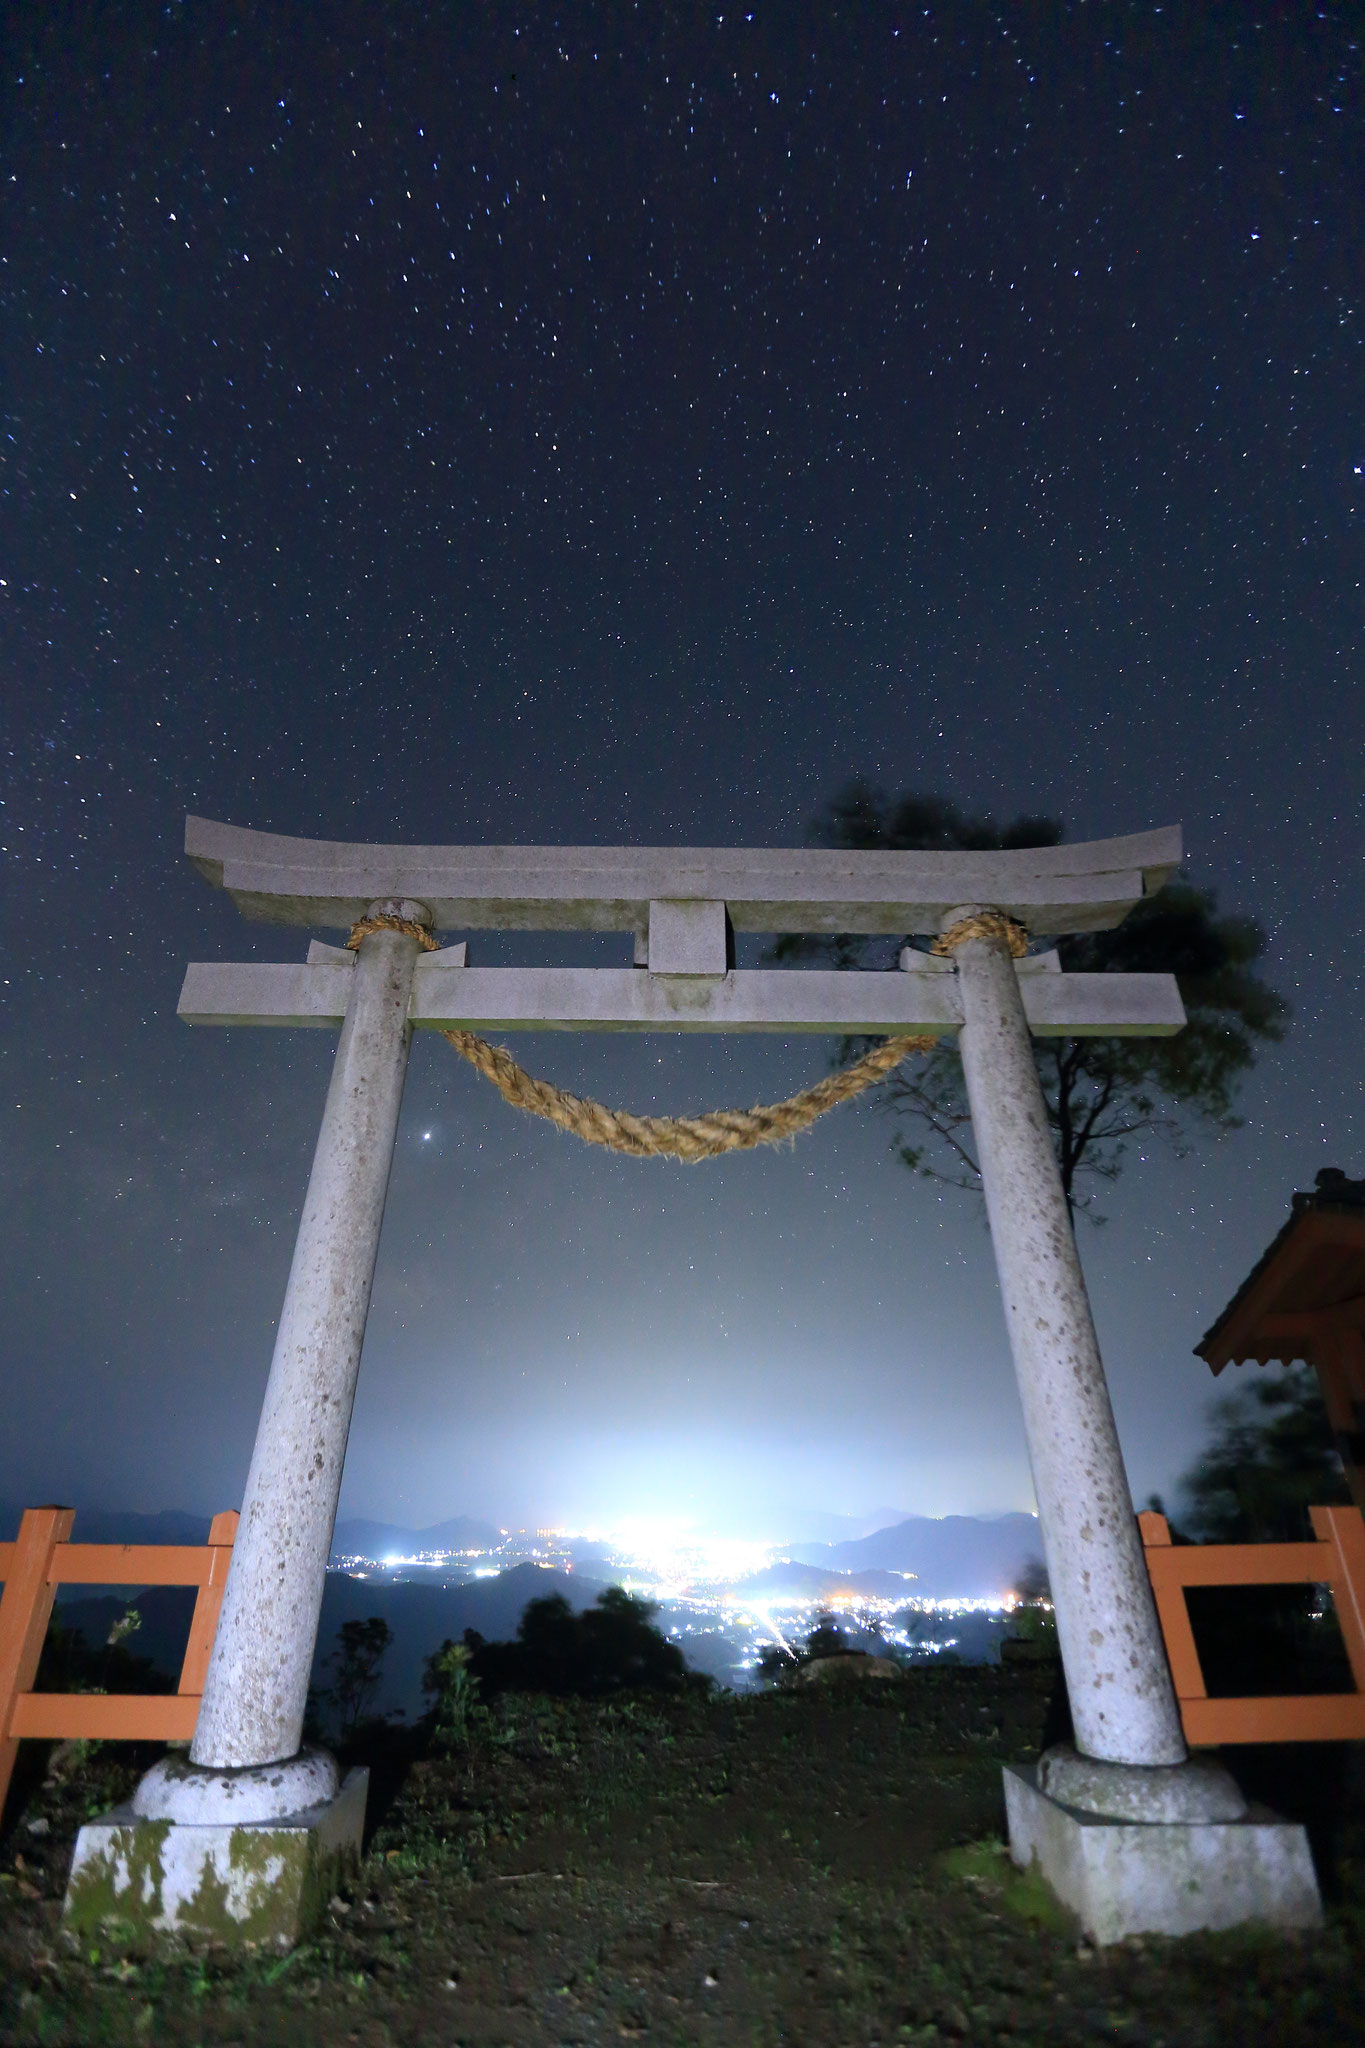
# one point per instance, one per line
(303, 1826)
(257, 1684)
(1130, 1769)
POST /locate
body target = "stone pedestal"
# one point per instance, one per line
(1122, 1877)
(249, 1883)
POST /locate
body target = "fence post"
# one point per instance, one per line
(1344, 1530)
(1187, 1673)
(222, 1535)
(24, 1612)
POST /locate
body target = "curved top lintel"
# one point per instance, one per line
(329, 883)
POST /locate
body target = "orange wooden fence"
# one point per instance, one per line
(40, 1560)
(1336, 1559)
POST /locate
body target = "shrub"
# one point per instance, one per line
(611, 1647)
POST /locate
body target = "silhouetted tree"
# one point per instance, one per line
(776, 1662)
(612, 1647)
(826, 1639)
(1101, 1093)
(1033, 1583)
(355, 1666)
(1033, 1621)
(1269, 1458)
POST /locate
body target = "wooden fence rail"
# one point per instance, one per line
(41, 1559)
(1336, 1559)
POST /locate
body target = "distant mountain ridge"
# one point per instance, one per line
(791, 1579)
(118, 1525)
(361, 1538)
(955, 1557)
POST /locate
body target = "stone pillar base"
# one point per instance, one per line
(248, 1883)
(1122, 1877)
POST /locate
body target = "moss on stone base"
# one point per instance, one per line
(245, 1886)
(122, 1882)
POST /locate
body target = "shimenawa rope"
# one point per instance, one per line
(983, 924)
(385, 921)
(719, 1130)
(679, 1137)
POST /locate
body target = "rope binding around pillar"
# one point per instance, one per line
(386, 921)
(716, 1131)
(983, 924)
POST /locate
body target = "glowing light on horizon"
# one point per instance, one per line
(673, 1552)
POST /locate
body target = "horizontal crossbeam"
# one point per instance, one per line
(1284, 1717)
(134, 1564)
(105, 1717)
(329, 883)
(631, 999)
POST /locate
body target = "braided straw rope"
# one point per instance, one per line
(983, 924)
(719, 1130)
(385, 921)
(679, 1137)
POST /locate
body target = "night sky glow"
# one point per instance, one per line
(624, 425)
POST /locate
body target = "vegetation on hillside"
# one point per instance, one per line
(822, 1865)
(1268, 1458)
(610, 1647)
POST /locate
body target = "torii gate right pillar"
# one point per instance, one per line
(1132, 1833)
(1123, 1705)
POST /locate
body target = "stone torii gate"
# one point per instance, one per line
(1129, 1764)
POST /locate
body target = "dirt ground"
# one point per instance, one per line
(819, 1868)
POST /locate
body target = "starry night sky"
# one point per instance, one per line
(624, 425)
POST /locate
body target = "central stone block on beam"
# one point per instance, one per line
(688, 938)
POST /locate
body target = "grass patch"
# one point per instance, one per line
(1022, 1892)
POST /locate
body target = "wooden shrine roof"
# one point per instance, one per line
(1314, 1268)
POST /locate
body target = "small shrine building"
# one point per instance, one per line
(1305, 1299)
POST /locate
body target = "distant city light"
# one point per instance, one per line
(698, 1581)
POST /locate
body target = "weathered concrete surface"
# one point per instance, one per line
(257, 1681)
(178, 1789)
(1067, 888)
(1122, 1701)
(687, 938)
(1163, 1794)
(784, 1000)
(248, 1883)
(1126, 1877)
